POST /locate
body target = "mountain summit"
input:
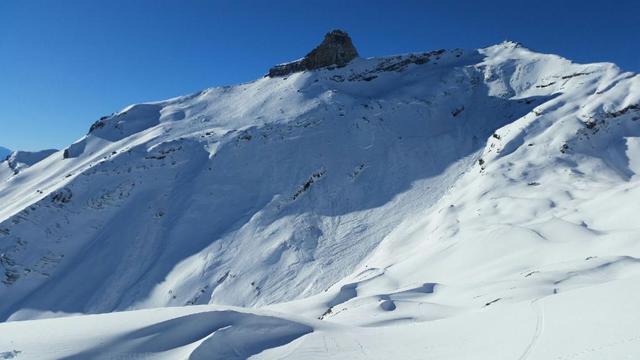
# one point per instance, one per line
(336, 49)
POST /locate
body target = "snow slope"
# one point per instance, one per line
(474, 188)
(17, 161)
(590, 323)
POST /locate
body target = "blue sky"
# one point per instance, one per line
(65, 63)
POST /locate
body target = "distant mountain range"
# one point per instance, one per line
(4, 152)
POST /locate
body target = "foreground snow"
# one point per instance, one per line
(599, 322)
(453, 204)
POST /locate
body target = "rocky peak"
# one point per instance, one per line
(335, 50)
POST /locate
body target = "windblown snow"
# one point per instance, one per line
(459, 204)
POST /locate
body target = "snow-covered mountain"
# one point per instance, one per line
(343, 209)
(4, 152)
(17, 161)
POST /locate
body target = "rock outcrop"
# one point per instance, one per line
(335, 50)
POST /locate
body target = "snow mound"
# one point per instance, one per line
(591, 323)
(199, 333)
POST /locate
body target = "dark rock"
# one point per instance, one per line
(74, 150)
(96, 125)
(457, 111)
(397, 64)
(400, 63)
(62, 196)
(335, 50)
(632, 108)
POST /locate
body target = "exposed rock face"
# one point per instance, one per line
(335, 50)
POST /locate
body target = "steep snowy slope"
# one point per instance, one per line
(245, 195)
(466, 185)
(548, 208)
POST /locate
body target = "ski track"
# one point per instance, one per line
(539, 310)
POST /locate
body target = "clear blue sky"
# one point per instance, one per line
(65, 63)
